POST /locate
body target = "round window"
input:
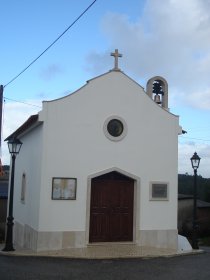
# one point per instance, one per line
(115, 128)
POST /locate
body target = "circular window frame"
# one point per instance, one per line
(122, 135)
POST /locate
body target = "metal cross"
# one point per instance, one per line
(116, 55)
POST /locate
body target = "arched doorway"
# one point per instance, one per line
(111, 208)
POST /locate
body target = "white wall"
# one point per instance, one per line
(75, 146)
(29, 161)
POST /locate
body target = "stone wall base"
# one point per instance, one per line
(27, 237)
(159, 238)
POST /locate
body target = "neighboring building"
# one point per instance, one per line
(185, 213)
(185, 216)
(203, 218)
(99, 165)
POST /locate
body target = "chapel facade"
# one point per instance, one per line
(115, 178)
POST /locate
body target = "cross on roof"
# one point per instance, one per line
(116, 55)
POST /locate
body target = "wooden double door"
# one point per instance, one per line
(111, 210)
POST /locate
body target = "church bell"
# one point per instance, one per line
(157, 99)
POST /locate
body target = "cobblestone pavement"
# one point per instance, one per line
(102, 252)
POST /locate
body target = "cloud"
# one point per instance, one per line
(14, 115)
(199, 99)
(171, 39)
(101, 58)
(51, 71)
(186, 151)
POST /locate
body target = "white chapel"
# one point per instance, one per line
(115, 179)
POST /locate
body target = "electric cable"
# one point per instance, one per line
(29, 104)
(183, 137)
(12, 80)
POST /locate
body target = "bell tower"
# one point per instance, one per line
(157, 89)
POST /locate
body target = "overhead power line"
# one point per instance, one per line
(12, 80)
(205, 140)
(29, 104)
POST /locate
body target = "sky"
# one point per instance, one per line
(168, 38)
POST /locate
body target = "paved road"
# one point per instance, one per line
(193, 267)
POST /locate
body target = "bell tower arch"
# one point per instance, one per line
(157, 89)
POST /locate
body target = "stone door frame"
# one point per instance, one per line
(136, 202)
